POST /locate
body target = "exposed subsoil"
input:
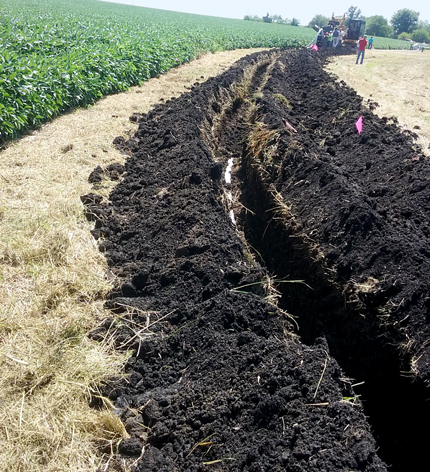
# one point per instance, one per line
(235, 368)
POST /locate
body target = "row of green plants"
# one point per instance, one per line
(388, 43)
(59, 54)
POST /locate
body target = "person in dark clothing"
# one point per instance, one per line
(335, 37)
(325, 40)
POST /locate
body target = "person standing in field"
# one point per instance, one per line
(362, 43)
(325, 40)
(423, 46)
(370, 43)
(341, 35)
(335, 37)
(330, 39)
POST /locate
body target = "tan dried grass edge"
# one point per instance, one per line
(53, 281)
(398, 81)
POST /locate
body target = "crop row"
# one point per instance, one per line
(58, 54)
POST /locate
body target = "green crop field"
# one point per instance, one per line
(59, 54)
(389, 43)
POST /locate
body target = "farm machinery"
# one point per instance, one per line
(350, 34)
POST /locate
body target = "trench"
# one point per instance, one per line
(396, 405)
(229, 115)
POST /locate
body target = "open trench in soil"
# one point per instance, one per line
(278, 320)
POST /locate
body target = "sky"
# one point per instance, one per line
(303, 10)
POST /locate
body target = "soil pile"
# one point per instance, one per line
(219, 377)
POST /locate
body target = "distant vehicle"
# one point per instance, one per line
(267, 19)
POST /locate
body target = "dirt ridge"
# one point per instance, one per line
(317, 201)
(219, 379)
(363, 198)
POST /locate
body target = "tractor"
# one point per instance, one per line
(351, 34)
(354, 32)
(267, 19)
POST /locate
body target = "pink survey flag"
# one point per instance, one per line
(315, 47)
(359, 125)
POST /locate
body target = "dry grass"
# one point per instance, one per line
(262, 142)
(367, 286)
(52, 284)
(397, 81)
(53, 281)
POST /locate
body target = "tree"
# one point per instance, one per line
(252, 18)
(404, 36)
(319, 20)
(295, 22)
(404, 20)
(280, 20)
(353, 13)
(424, 25)
(378, 26)
(421, 35)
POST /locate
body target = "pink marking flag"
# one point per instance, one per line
(359, 125)
(315, 47)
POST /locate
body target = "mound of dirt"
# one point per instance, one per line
(220, 376)
(346, 212)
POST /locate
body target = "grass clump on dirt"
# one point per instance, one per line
(282, 99)
(262, 142)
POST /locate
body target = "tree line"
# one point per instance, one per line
(404, 24)
(273, 19)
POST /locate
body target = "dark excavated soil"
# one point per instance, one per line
(248, 338)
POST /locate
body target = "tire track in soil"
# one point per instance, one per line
(218, 377)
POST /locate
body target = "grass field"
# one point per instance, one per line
(59, 54)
